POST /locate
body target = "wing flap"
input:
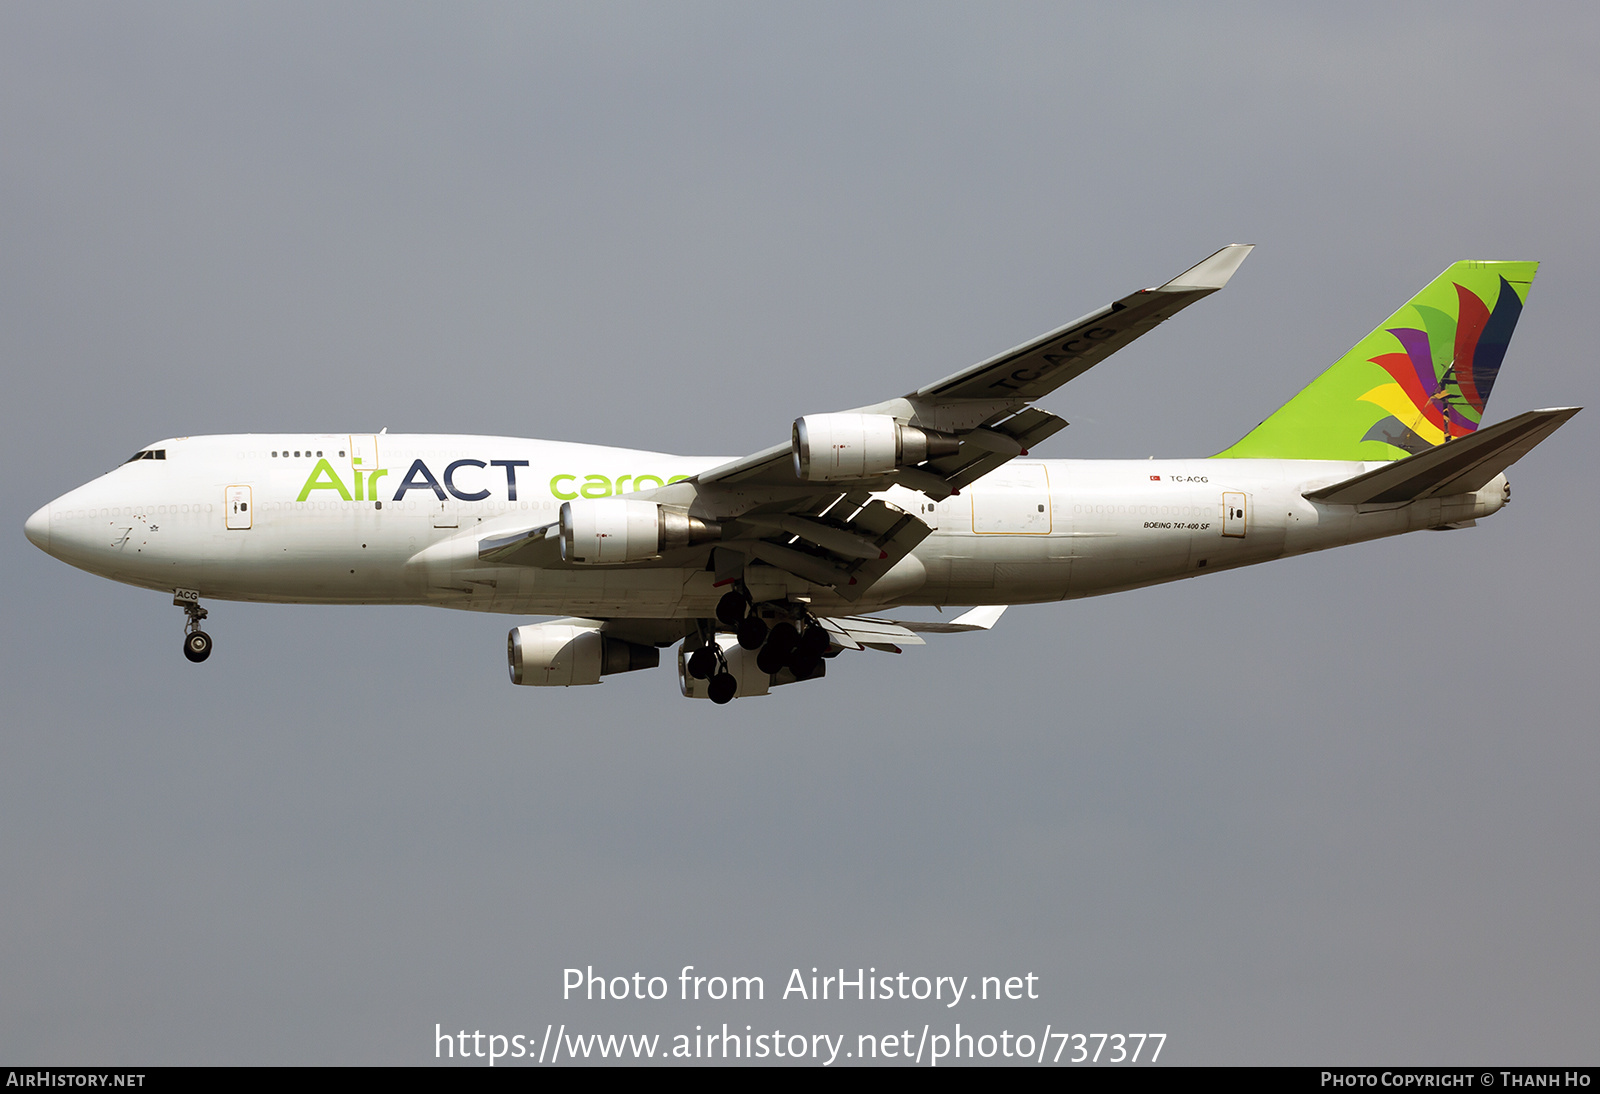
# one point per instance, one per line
(1027, 429)
(810, 547)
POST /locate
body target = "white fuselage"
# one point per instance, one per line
(396, 519)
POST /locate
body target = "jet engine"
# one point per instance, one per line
(855, 446)
(598, 530)
(565, 654)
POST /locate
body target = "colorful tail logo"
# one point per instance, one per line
(1443, 378)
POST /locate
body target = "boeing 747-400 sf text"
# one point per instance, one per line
(765, 567)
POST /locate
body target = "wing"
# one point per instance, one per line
(984, 406)
(1036, 368)
(827, 527)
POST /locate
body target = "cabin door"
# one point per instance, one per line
(238, 508)
(1233, 515)
(1013, 499)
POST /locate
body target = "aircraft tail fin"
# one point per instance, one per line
(1421, 378)
(1459, 467)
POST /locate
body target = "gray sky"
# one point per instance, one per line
(1339, 808)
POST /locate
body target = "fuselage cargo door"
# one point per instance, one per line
(445, 514)
(1233, 515)
(238, 508)
(1013, 499)
(363, 461)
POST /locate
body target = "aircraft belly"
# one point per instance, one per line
(980, 569)
(597, 591)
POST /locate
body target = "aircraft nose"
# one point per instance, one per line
(38, 529)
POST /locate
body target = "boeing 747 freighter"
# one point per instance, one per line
(762, 569)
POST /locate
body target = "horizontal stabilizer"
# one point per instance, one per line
(855, 631)
(978, 619)
(1460, 466)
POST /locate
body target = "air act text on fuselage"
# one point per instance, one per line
(566, 487)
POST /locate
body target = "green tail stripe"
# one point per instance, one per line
(1421, 378)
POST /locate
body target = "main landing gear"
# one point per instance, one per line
(794, 641)
(196, 642)
(709, 663)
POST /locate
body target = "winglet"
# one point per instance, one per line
(1211, 274)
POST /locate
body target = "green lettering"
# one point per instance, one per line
(372, 483)
(638, 481)
(620, 480)
(558, 493)
(596, 486)
(676, 478)
(315, 482)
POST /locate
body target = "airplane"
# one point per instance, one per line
(763, 569)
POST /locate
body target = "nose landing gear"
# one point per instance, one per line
(196, 642)
(197, 646)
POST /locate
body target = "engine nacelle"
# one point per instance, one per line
(856, 446)
(600, 530)
(566, 654)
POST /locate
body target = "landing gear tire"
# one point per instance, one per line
(702, 663)
(783, 637)
(803, 665)
(814, 643)
(752, 632)
(781, 642)
(196, 642)
(769, 660)
(723, 688)
(197, 646)
(730, 609)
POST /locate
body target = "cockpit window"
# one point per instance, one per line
(148, 454)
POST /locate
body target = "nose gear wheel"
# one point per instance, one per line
(196, 642)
